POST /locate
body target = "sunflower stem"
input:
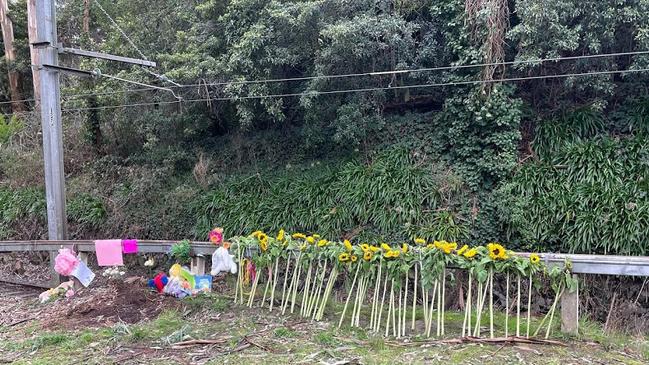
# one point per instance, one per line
(443, 303)
(298, 265)
(414, 300)
(405, 305)
(529, 307)
(507, 305)
(554, 307)
(491, 303)
(385, 286)
(268, 280)
(351, 290)
(305, 292)
(286, 271)
(272, 293)
(518, 305)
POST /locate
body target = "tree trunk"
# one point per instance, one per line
(17, 104)
(86, 17)
(33, 37)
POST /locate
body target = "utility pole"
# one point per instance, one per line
(50, 105)
(44, 42)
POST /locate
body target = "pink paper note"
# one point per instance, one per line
(129, 246)
(109, 252)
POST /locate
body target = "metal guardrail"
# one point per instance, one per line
(581, 264)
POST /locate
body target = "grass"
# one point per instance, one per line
(290, 339)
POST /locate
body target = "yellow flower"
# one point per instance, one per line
(385, 247)
(280, 235)
(310, 239)
(354, 258)
(404, 248)
(367, 255)
(396, 253)
(430, 246)
(453, 246)
(374, 248)
(469, 254)
(462, 250)
(255, 234)
(298, 236)
(316, 236)
(343, 257)
(348, 245)
(387, 254)
(365, 247)
(420, 241)
(263, 244)
(496, 251)
(322, 243)
(262, 237)
(446, 249)
(535, 259)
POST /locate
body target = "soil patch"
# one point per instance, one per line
(114, 302)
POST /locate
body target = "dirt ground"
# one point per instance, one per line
(126, 323)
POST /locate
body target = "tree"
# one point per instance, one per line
(10, 57)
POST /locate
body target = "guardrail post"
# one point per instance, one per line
(198, 265)
(570, 311)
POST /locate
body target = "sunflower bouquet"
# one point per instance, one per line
(303, 270)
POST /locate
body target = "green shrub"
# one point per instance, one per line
(591, 197)
(9, 127)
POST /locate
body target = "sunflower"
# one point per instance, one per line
(420, 241)
(404, 248)
(374, 248)
(262, 237)
(387, 254)
(367, 255)
(298, 236)
(348, 245)
(263, 244)
(365, 247)
(316, 236)
(535, 259)
(255, 234)
(354, 258)
(430, 246)
(280, 235)
(322, 243)
(462, 250)
(439, 244)
(447, 248)
(310, 239)
(396, 253)
(385, 247)
(469, 254)
(496, 251)
(343, 257)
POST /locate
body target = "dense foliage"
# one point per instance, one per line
(549, 163)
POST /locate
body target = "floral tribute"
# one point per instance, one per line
(389, 288)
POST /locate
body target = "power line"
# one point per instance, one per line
(344, 91)
(441, 68)
(428, 69)
(380, 73)
(130, 41)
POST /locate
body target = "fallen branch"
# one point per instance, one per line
(22, 321)
(190, 343)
